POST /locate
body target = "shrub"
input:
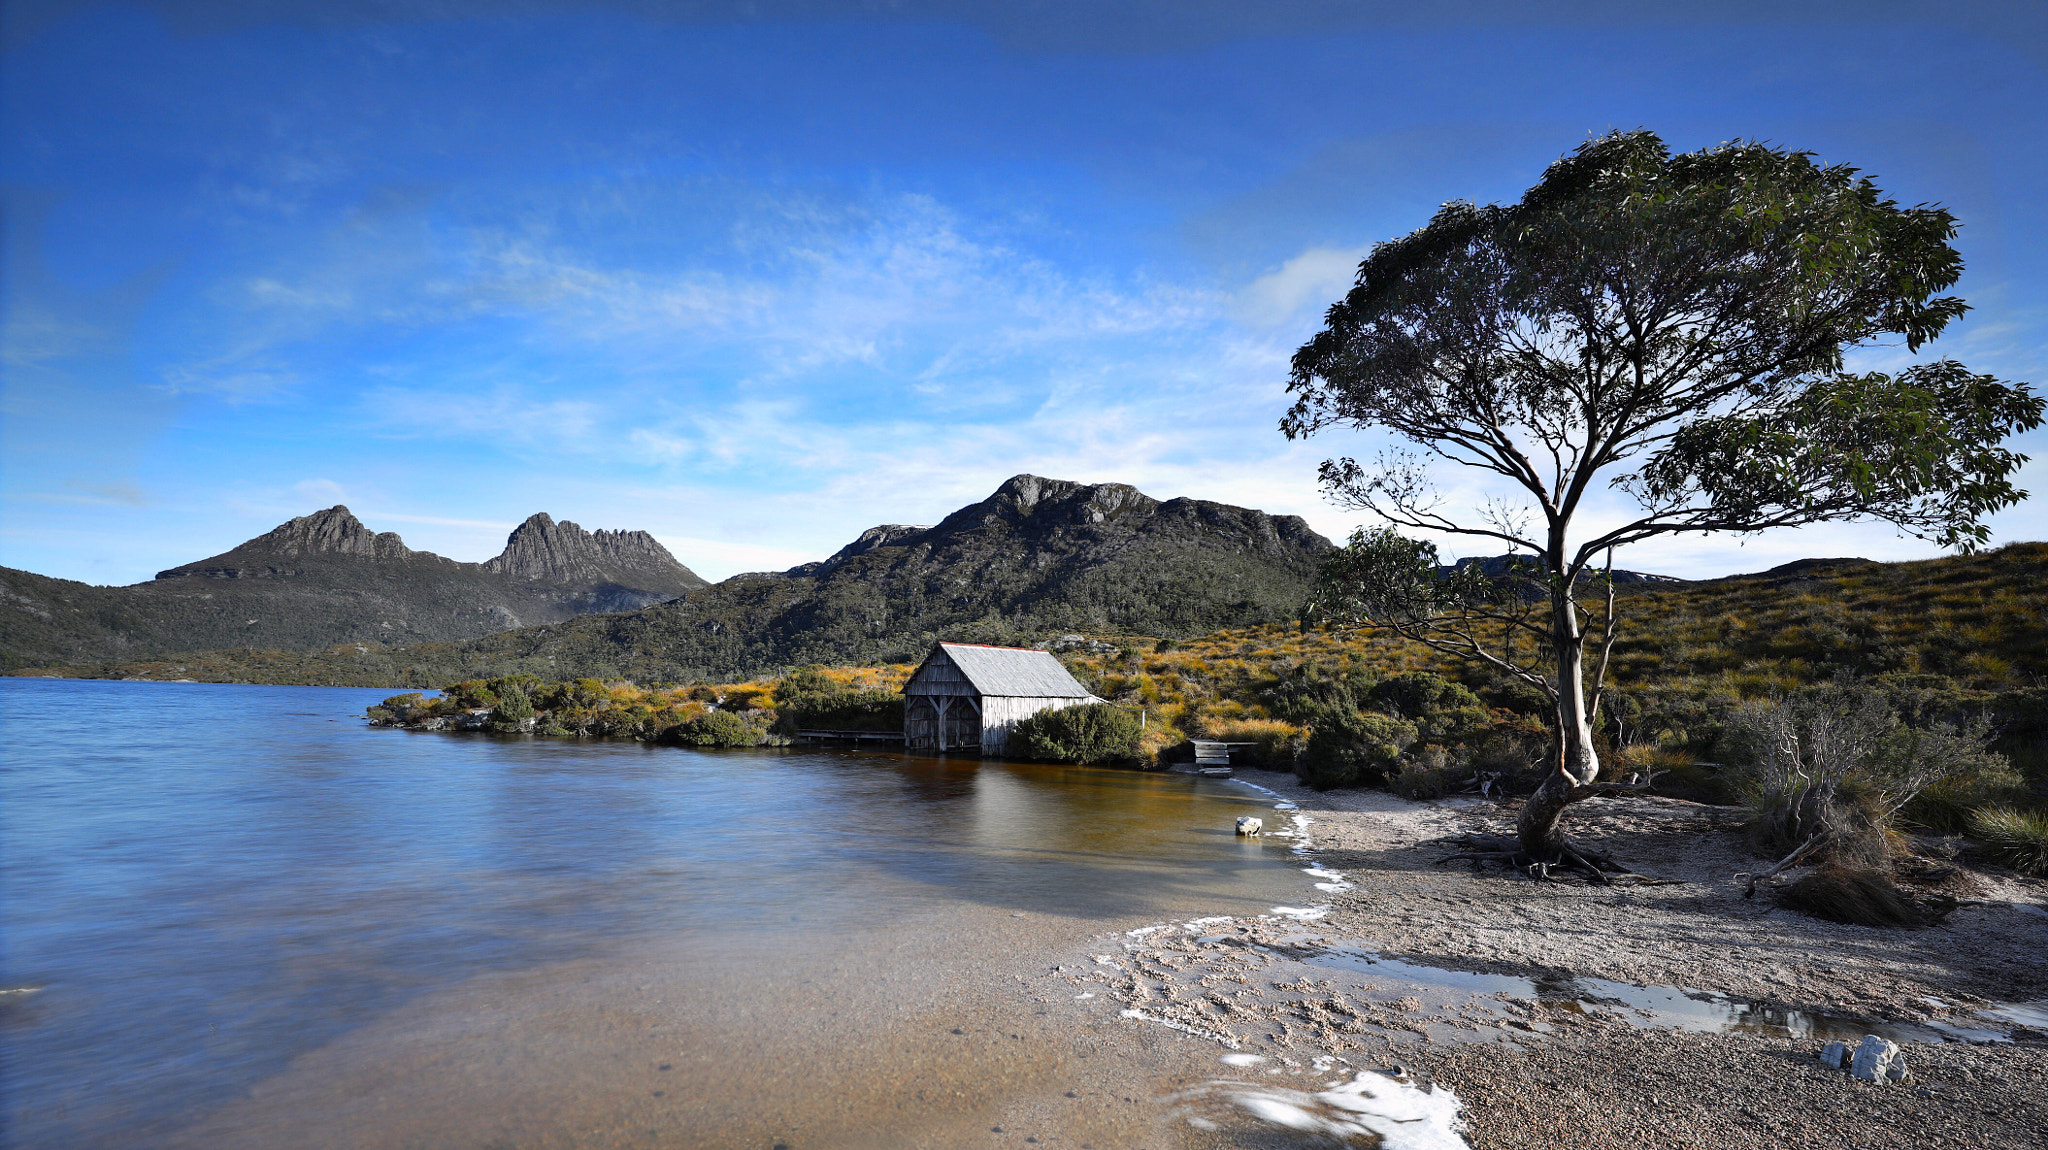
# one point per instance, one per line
(513, 706)
(1835, 762)
(1157, 745)
(1349, 750)
(2016, 838)
(715, 729)
(1089, 733)
(404, 705)
(1430, 773)
(1418, 693)
(1519, 697)
(1454, 724)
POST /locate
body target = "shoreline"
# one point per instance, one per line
(1404, 968)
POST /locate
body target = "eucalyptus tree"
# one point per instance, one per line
(1671, 328)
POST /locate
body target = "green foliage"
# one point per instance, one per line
(715, 729)
(1089, 733)
(513, 705)
(810, 699)
(2017, 838)
(1519, 697)
(1351, 750)
(1430, 774)
(1414, 694)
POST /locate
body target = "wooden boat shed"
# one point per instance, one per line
(965, 696)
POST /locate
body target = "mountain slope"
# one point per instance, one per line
(1038, 555)
(325, 579)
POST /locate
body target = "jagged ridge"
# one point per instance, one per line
(325, 579)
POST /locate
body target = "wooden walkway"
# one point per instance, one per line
(854, 736)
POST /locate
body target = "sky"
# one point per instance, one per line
(755, 277)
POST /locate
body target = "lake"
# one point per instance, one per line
(237, 915)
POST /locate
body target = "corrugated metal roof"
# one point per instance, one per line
(1014, 671)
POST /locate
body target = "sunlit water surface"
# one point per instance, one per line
(203, 881)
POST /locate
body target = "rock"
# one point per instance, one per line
(1896, 1071)
(1835, 1055)
(1873, 1059)
(1250, 826)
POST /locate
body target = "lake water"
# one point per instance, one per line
(228, 908)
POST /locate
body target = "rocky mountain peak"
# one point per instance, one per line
(335, 530)
(1045, 503)
(543, 550)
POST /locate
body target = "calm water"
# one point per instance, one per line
(202, 882)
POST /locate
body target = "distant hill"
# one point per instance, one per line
(325, 579)
(1037, 557)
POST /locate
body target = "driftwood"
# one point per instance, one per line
(1813, 842)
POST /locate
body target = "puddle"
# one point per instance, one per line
(1690, 1010)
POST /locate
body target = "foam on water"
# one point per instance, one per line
(1398, 1114)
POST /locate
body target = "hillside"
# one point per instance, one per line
(325, 579)
(1038, 556)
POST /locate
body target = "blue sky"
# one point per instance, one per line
(756, 282)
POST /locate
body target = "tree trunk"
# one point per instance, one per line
(1576, 760)
(1540, 829)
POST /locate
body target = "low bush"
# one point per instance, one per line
(1837, 763)
(1089, 733)
(513, 706)
(1418, 693)
(715, 729)
(1430, 773)
(1159, 745)
(1353, 750)
(2016, 838)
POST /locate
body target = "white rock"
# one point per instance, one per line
(1873, 1059)
(1834, 1055)
(1250, 826)
(1896, 1072)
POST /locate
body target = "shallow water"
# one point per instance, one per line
(206, 883)
(1679, 1008)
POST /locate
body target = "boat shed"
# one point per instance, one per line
(967, 696)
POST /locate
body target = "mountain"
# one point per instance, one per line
(326, 579)
(1037, 556)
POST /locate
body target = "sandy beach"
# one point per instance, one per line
(1501, 990)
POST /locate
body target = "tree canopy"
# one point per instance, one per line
(1686, 315)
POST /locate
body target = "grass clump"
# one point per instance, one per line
(2016, 838)
(1851, 895)
(1089, 733)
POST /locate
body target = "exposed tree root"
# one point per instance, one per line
(1572, 858)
